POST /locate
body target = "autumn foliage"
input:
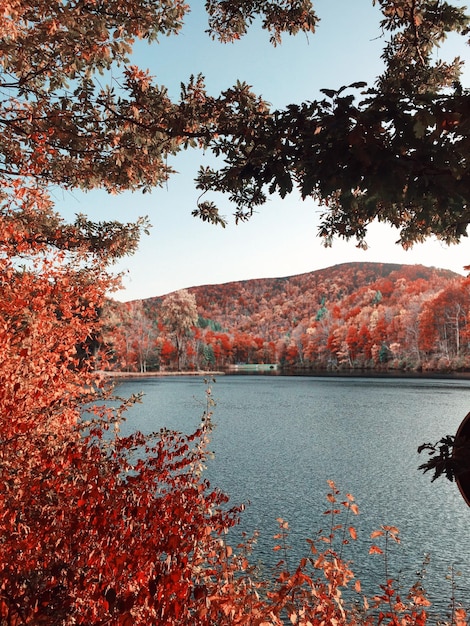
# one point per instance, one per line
(355, 316)
(97, 528)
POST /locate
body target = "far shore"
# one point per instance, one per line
(121, 374)
(352, 373)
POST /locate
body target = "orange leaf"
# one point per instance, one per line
(375, 550)
(353, 532)
(460, 617)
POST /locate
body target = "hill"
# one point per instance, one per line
(349, 316)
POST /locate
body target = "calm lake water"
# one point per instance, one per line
(279, 439)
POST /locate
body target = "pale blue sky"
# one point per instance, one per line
(280, 240)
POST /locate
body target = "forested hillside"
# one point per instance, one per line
(372, 316)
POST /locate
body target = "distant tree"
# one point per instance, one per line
(353, 342)
(131, 335)
(179, 314)
(377, 297)
(443, 321)
(202, 322)
(385, 353)
(143, 335)
(167, 352)
(208, 356)
(322, 311)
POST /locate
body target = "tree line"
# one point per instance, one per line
(354, 316)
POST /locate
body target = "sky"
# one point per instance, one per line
(281, 238)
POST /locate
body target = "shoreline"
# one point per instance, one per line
(430, 374)
(121, 375)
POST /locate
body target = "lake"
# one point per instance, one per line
(279, 439)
